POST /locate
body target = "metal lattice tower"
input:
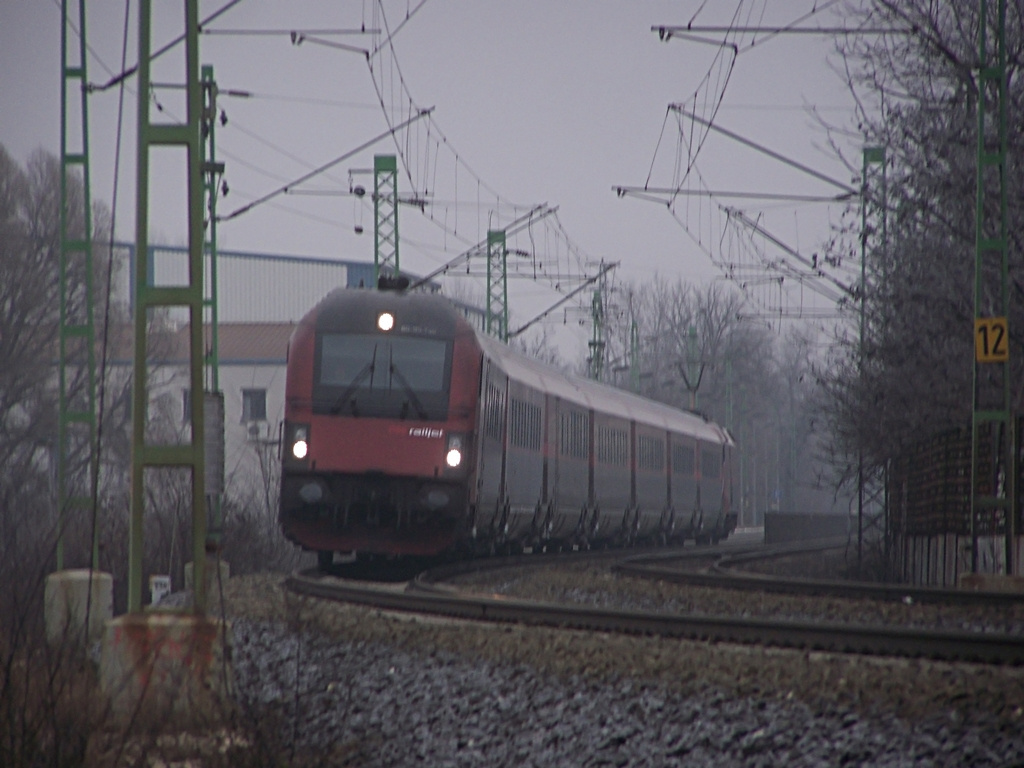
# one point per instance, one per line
(497, 285)
(873, 234)
(634, 353)
(597, 334)
(77, 462)
(212, 172)
(385, 216)
(148, 296)
(213, 398)
(993, 472)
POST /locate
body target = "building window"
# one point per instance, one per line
(186, 405)
(254, 405)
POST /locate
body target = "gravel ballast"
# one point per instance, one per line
(596, 586)
(337, 684)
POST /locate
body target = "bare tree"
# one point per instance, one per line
(745, 378)
(910, 376)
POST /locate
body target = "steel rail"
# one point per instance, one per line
(724, 574)
(419, 597)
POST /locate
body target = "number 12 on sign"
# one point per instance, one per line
(991, 340)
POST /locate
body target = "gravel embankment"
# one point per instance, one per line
(343, 685)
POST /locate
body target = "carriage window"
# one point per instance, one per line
(524, 425)
(683, 460)
(650, 453)
(573, 437)
(493, 411)
(612, 446)
(710, 464)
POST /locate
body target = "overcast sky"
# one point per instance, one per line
(535, 101)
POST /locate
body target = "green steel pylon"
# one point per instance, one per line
(873, 221)
(993, 477)
(496, 322)
(213, 398)
(385, 216)
(77, 462)
(634, 354)
(183, 136)
(212, 173)
(597, 332)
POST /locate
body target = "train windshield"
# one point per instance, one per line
(383, 376)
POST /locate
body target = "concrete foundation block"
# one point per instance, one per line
(76, 605)
(170, 669)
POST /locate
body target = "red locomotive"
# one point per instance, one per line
(408, 432)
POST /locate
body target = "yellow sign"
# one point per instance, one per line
(991, 340)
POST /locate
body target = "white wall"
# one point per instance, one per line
(243, 452)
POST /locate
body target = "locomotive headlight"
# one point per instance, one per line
(385, 321)
(454, 456)
(300, 442)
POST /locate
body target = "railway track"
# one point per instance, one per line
(727, 571)
(429, 593)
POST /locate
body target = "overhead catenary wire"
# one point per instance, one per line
(326, 166)
(697, 118)
(422, 146)
(419, 156)
(108, 293)
(846, 188)
(280, 31)
(129, 72)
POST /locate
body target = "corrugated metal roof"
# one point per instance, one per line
(239, 343)
(265, 342)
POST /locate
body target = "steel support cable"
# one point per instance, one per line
(326, 166)
(607, 268)
(442, 139)
(846, 188)
(406, 164)
(648, 193)
(74, 28)
(481, 185)
(401, 81)
(281, 150)
(105, 338)
(684, 33)
(755, 227)
(666, 33)
(539, 212)
(694, 152)
(432, 126)
(126, 73)
(278, 32)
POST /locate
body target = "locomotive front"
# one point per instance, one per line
(381, 401)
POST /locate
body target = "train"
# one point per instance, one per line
(409, 432)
